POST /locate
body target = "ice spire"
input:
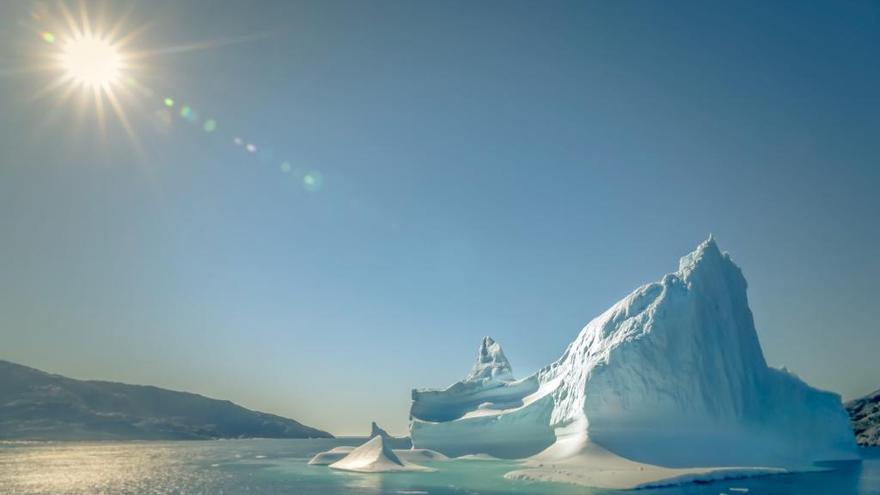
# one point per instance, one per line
(394, 442)
(491, 363)
(706, 251)
(375, 430)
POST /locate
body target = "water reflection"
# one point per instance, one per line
(98, 468)
(279, 466)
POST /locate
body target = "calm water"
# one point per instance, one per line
(279, 467)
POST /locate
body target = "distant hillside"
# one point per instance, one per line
(35, 405)
(865, 416)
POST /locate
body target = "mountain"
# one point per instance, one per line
(672, 375)
(35, 405)
(865, 416)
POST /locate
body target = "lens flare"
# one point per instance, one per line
(313, 181)
(92, 57)
(189, 114)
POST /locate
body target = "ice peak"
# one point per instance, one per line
(707, 253)
(375, 430)
(373, 456)
(491, 363)
(394, 442)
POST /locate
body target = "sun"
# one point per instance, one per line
(91, 61)
(98, 70)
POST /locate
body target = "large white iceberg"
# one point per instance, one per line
(672, 375)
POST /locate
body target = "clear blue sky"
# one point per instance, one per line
(489, 168)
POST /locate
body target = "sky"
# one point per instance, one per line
(424, 174)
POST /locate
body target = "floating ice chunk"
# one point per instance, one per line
(375, 457)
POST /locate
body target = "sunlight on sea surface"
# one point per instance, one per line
(279, 467)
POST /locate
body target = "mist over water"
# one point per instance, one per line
(280, 466)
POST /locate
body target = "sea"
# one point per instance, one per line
(262, 467)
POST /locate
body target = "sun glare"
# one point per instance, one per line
(91, 62)
(100, 75)
(91, 59)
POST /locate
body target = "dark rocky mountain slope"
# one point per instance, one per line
(35, 405)
(865, 416)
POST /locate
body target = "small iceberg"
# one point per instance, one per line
(401, 447)
(375, 457)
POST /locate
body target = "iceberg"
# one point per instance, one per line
(483, 414)
(400, 448)
(672, 376)
(375, 456)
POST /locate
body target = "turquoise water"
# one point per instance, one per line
(279, 467)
